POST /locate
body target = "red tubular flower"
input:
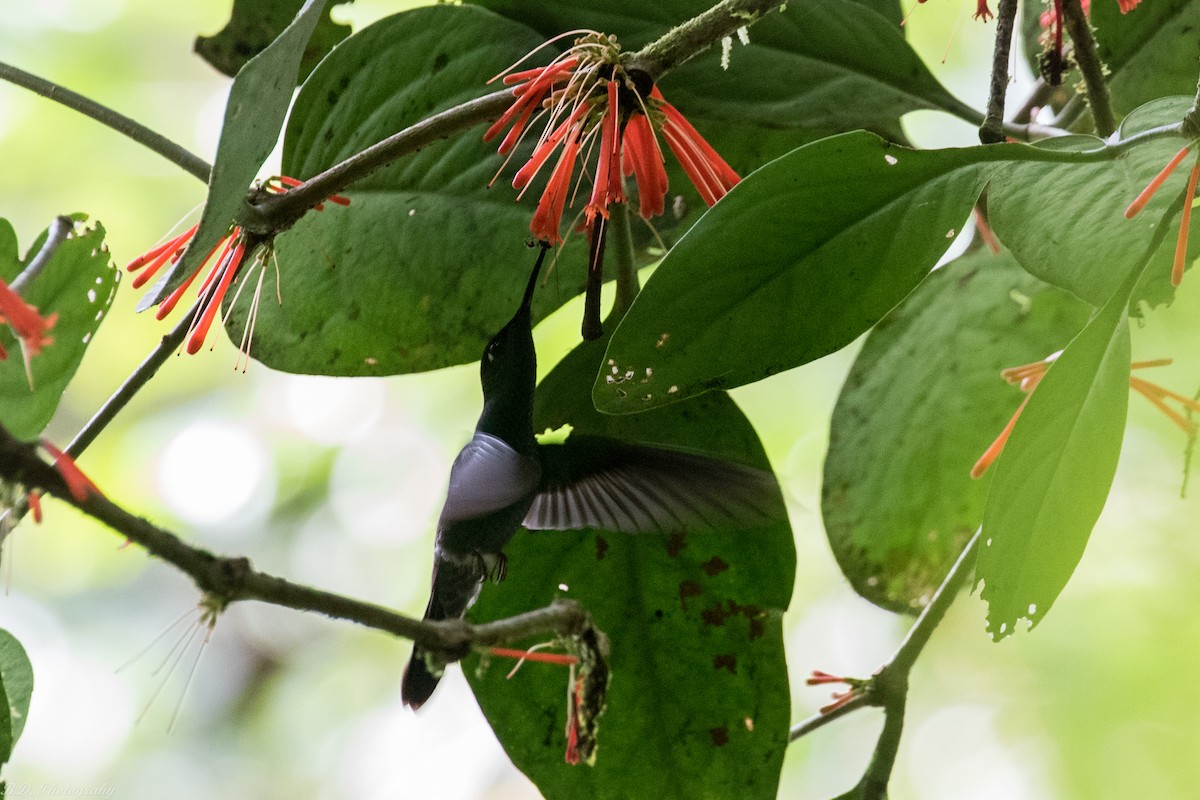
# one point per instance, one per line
(231, 253)
(1185, 218)
(587, 94)
(982, 12)
(27, 324)
(79, 485)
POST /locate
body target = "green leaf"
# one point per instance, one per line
(922, 402)
(427, 262)
(257, 106)
(828, 51)
(16, 689)
(698, 704)
(1054, 475)
(254, 24)
(78, 284)
(1065, 222)
(1150, 52)
(802, 257)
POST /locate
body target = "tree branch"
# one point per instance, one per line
(888, 687)
(1087, 55)
(685, 41)
(276, 212)
(180, 156)
(133, 384)
(230, 579)
(992, 129)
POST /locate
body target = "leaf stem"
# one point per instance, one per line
(59, 229)
(176, 154)
(992, 129)
(1087, 55)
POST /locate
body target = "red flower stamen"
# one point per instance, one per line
(35, 505)
(79, 485)
(985, 232)
(982, 12)
(562, 659)
(1028, 377)
(1140, 201)
(228, 268)
(1184, 221)
(574, 701)
(854, 688)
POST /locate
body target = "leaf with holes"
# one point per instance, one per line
(78, 284)
(699, 680)
(424, 266)
(922, 402)
(801, 258)
(1054, 475)
(257, 106)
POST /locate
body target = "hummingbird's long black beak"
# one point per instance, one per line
(537, 269)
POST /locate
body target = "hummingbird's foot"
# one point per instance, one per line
(494, 565)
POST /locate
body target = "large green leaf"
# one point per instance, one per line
(78, 284)
(922, 402)
(1054, 475)
(257, 106)
(828, 51)
(1065, 222)
(797, 261)
(254, 24)
(16, 690)
(422, 268)
(698, 704)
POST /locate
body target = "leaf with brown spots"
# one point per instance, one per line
(675, 679)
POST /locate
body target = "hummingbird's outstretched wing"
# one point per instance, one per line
(594, 482)
(488, 475)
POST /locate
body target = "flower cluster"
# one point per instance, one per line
(1028, 376)
(27, 324)
(1186, 215)
(234, 249)
(590, 101)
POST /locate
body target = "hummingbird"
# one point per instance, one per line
(504, 479)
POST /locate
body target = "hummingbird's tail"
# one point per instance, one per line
(455, 587)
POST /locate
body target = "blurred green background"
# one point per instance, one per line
(338, 483)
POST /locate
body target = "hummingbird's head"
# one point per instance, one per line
(508, 370)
